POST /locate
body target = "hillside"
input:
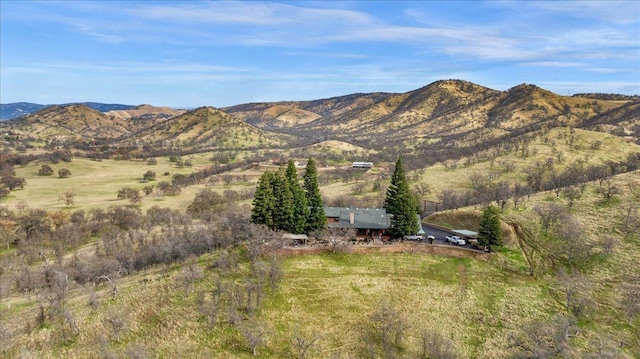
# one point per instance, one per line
(145, 112)
(272, 116)
(210, 128)
(443, 109)
(445, 113)
(13, 110)
(69, 122)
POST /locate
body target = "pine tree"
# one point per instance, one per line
(317, 219)
(489, 230)
(300, 203)
(401, 203)
(283, 208)
(264, 201)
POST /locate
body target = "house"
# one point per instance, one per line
(362, 165)
(368, 222)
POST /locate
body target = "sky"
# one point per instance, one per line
(221, 53)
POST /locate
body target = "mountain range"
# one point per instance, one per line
(451, 113)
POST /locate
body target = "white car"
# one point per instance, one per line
(456, 240)
(413, 238)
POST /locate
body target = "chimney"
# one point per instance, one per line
(352, 217)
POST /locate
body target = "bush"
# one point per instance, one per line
(64, 173)
(149, 175)
(45, 170)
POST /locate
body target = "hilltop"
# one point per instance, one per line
(72, 122)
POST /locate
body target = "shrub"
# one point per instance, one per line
(64, 173)
(45, 170)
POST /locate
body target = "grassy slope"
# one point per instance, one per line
(96, 184)
(328, 295)
(476, 304)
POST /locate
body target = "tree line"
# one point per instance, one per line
(282, 203)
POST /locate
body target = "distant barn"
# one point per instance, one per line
(365, 165)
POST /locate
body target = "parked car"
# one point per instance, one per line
(417, 237)
(456, 240)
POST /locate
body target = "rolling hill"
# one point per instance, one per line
(209, 128)
(450, 108)
(69, 122)
(449, 112)
(13, 110)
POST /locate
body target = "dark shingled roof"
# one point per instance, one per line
(366, 218)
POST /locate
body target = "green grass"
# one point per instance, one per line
(476, 304)
(95, 184)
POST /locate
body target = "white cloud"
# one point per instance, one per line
(615, 12)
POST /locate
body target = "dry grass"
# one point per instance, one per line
(327, 295)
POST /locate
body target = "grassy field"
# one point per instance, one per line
(96, 183)
(329, 297)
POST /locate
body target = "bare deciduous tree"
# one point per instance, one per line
(302, 344)
(254, 333)
(571, 193)
(117, 322)
(543, 340)
(190, 273)
(434, 345)
(608, 189)
(550, 215)
(576, 289)
(631, 296)
(384, 334)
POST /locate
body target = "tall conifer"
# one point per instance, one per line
(489, 229)
(264, 201)
(317, 219)
(401, 203)
(283, 209)
(300, 203)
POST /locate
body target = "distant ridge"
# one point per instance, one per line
(13, 110)
(452, 113)
(9, 111)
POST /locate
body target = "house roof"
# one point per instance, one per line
(366, 218)
(294, 236)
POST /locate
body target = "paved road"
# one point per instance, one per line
(437, 233)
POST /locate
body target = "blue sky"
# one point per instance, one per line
(216, 53)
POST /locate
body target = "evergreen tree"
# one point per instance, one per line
(489, 230)
(317, 219)
(283, 208)
(401, 203)
(300, 203)
(264, 201)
